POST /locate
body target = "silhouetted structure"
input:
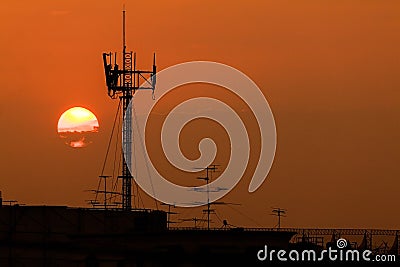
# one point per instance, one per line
(207, 179)
(121, 236)
(62, 236)
(123, 83)
(279, 213)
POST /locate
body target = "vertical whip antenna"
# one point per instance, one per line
(123, 28)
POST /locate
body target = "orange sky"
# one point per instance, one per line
(329, 69)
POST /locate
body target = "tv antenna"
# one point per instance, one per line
(107, 195)
(169, 212)
(279, 213)
(10, 202)
(123, 83)
(209, 169)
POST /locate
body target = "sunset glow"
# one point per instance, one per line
(79, 143)
(329, 70)
(78, 119)
(76, 127)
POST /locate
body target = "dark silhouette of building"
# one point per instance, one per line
(63, 236)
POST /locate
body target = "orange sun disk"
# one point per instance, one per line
(76, 125)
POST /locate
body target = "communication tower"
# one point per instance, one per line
(123, 83)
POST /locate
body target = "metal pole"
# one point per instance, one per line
(279, 219)
(123, 29)
(208, 204)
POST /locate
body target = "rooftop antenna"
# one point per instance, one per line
(123, 83)
(169, 212)
(213, 168)
(109, 197)
(279, 213)
(10, 202)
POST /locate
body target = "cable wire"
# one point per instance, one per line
(108, 150)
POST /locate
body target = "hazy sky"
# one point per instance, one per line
(329, 69)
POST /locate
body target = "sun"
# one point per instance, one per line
(77, 119)
(76, 125)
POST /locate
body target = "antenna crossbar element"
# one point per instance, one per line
(123, 83)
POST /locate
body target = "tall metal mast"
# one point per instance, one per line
(123, 84)
(207, 179)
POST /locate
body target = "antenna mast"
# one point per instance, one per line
(279, 213)
(207, 179)
(123, 30)
(123, 84)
